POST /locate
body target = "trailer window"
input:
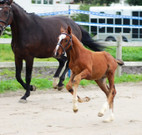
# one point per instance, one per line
(134, 33)
(135, 13)
(126, 30)
(126, 21)
(109, 21)
(118, 13)
(109, 30)
(140, 33)
(118, 21)
(117, 30)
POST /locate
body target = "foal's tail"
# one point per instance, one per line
(89, 42)
(120, 62)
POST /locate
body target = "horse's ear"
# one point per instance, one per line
(69, 30)
(9, 2)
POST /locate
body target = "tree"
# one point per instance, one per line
(97, 2)
(134, 2)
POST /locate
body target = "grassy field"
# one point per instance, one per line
(43, 83)
(10, 84)
(129, 53)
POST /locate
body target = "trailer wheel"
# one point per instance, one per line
(110, 38)
(124, 39)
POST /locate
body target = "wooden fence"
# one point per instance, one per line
(119, 44)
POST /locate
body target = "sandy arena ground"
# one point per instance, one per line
(50, 113)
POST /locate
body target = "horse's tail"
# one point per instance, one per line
(120, 62)
(89, 42)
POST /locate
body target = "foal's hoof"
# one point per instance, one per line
(86, 99)
(75, 110)
(100, 114)
(60, 87)
(108, 120)
(22, 101)
(33, 88)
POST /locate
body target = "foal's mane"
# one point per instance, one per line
(76, 39)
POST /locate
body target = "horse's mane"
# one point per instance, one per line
(20, 7)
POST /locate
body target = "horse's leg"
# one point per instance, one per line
(58, 71)
(29, 66)
(102, 84)
(19, 65)
(62, 78)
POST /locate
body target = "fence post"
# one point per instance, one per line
(119, 53)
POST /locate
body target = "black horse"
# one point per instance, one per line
(33, 36)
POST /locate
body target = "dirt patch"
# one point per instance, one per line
(50, 113)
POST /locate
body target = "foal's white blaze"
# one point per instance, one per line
(61, 37)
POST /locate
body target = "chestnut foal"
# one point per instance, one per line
(86, 64)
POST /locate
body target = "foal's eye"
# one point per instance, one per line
(6, 13)
(66, 40)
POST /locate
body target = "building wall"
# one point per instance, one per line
(44, 6)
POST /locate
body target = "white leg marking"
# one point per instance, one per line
(75, 106)
(110, 118)
(103, 110)
(55, 81)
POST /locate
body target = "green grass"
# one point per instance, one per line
(6, 54)
(129, 53)
(43, 83)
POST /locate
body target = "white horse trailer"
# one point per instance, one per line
(108, 33)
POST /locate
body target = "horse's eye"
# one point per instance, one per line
(66, 40)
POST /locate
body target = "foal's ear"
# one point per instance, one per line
(69, 30)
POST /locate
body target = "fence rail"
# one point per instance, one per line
(119, 44)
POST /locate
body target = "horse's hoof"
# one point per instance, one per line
(33, 88)
(60, 87)
(100, 114)
(55, 87)
(22, 101)
(55, 82)
(75, 110)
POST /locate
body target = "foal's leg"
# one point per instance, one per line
(111, 96)
(76, 82)
(19, 65)
(69, 87)
(102, 84)
(29, 66)
(58, 71)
